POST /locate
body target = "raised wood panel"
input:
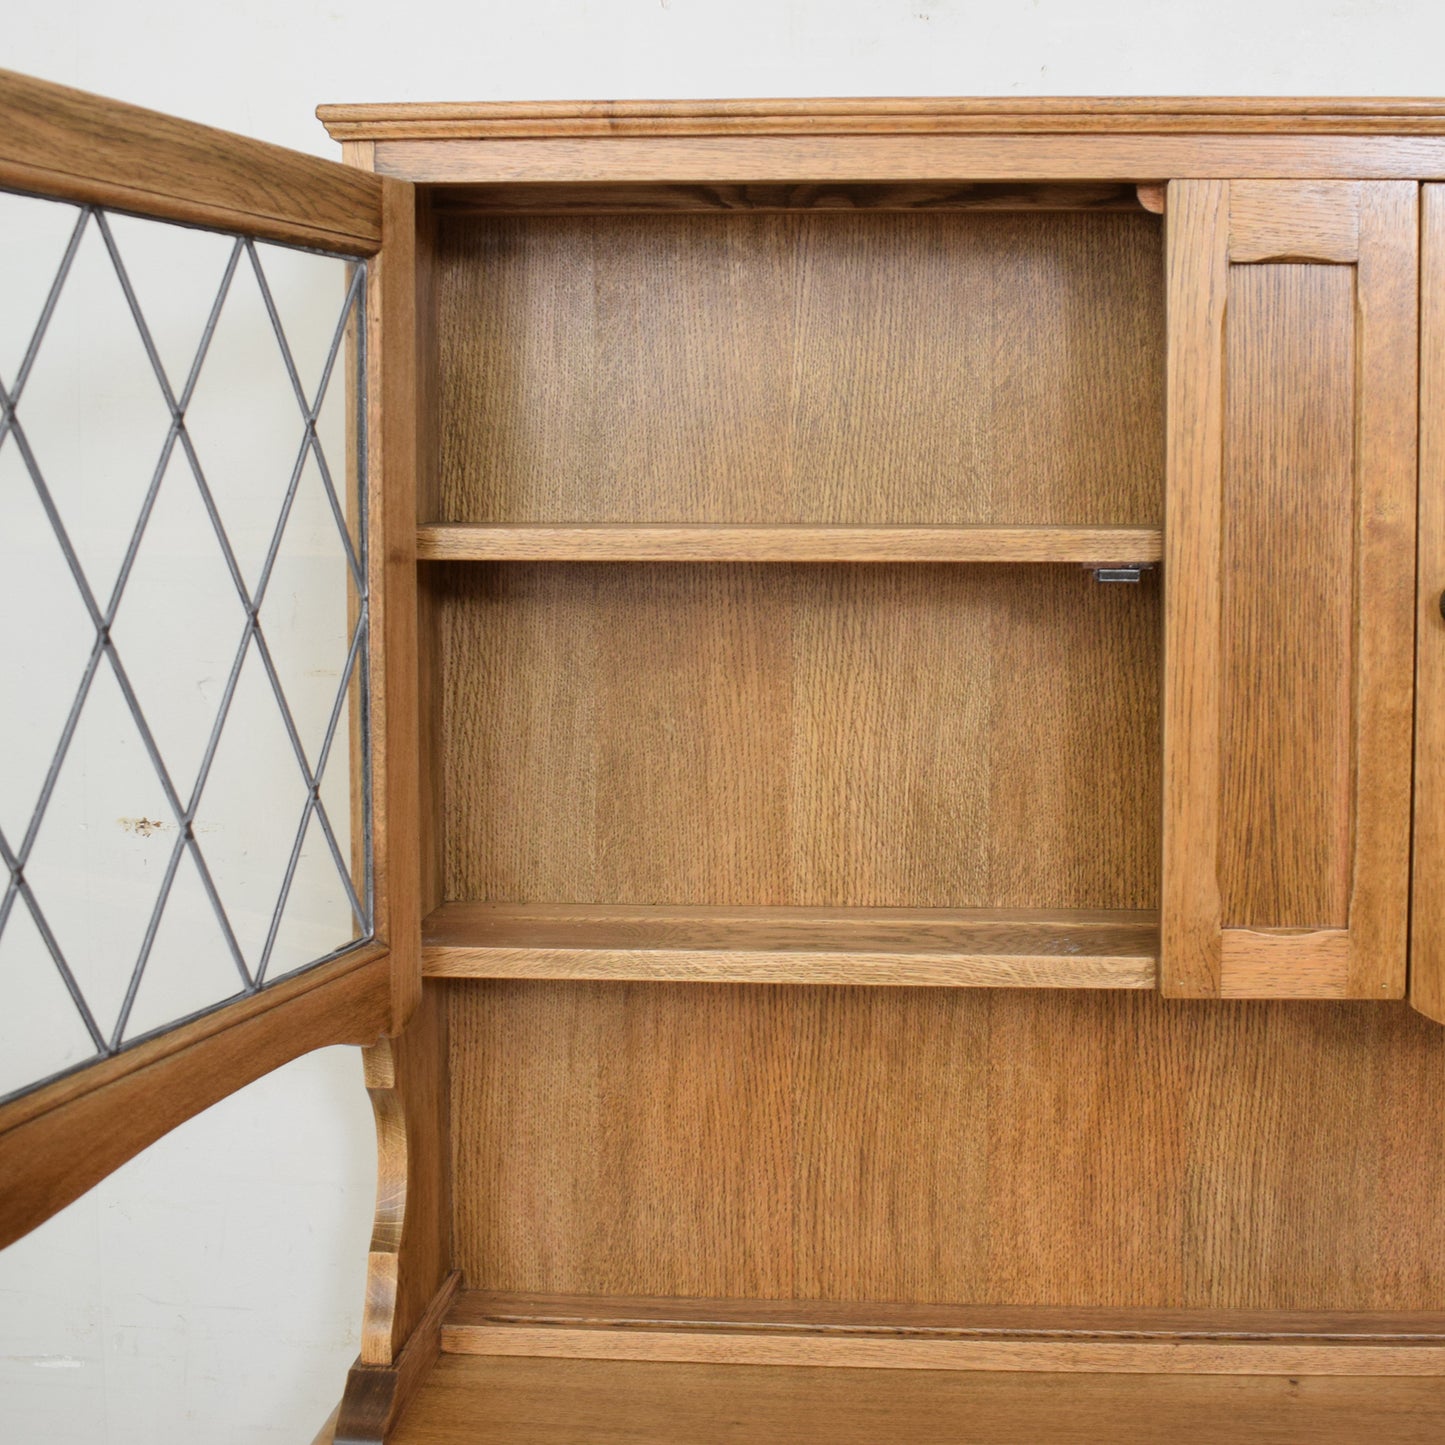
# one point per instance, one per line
(1288, 604)
(472, 1401)
(704, 369)
(1288, 619)
(834, 736)
(973, 1146)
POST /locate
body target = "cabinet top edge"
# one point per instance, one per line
(1058, 115)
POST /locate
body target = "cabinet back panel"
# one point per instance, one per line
(963, 1146)
(802, 368)
(816, 735)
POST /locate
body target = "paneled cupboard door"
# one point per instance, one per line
(1289, 587)
(207, 752)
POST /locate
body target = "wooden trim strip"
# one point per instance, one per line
(890, 1317)
(922, 159)
(58, 1142)
(602, 542)
(1190, 115)
(61, 142)
(1197, 236)
(1127, 1358)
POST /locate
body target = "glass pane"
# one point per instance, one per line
(184, 812)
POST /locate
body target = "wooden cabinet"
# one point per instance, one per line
(898, 666)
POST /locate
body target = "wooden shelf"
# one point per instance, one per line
(605, 542)
(900, 946)
(864, 1335)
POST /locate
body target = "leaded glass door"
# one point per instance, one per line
(198, 727)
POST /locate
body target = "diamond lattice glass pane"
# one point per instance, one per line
(309, 613)
(190, 965)
(34, 235)
(247, 832)
(318, 910)
(45, 642)
(179, 624)
(93, 413)
(41, 1031)
(175, 274)
(101, 854)
(182, 624)
(245, 422)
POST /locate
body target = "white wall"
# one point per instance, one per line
(211, 1289)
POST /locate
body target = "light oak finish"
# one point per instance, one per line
(393, 462)
(63, 1138)
(1427, 913)
(1287, 654)
(61, 142)
(991, 369)
(474, 1401)
(1071, 116)
(477, 1309)
(1284, 221)
(772, 734)
(980, 949)
(410, 1252)
(931, 1337)
(917, 158)
(641, 542)
(1084, 1148)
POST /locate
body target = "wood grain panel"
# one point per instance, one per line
(878, 369)
(833, 736)
(470, 1401)
(1287, 616)
(977, 1147)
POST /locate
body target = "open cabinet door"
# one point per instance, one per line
(207, 629)
(1289, 587)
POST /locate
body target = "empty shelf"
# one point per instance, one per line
(987, 948)
(606, 542)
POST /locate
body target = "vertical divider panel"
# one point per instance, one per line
(1288, 588)
(1427, 916)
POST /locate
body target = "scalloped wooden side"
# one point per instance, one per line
(409, 1283)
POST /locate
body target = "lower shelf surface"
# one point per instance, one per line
(470, 1400)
